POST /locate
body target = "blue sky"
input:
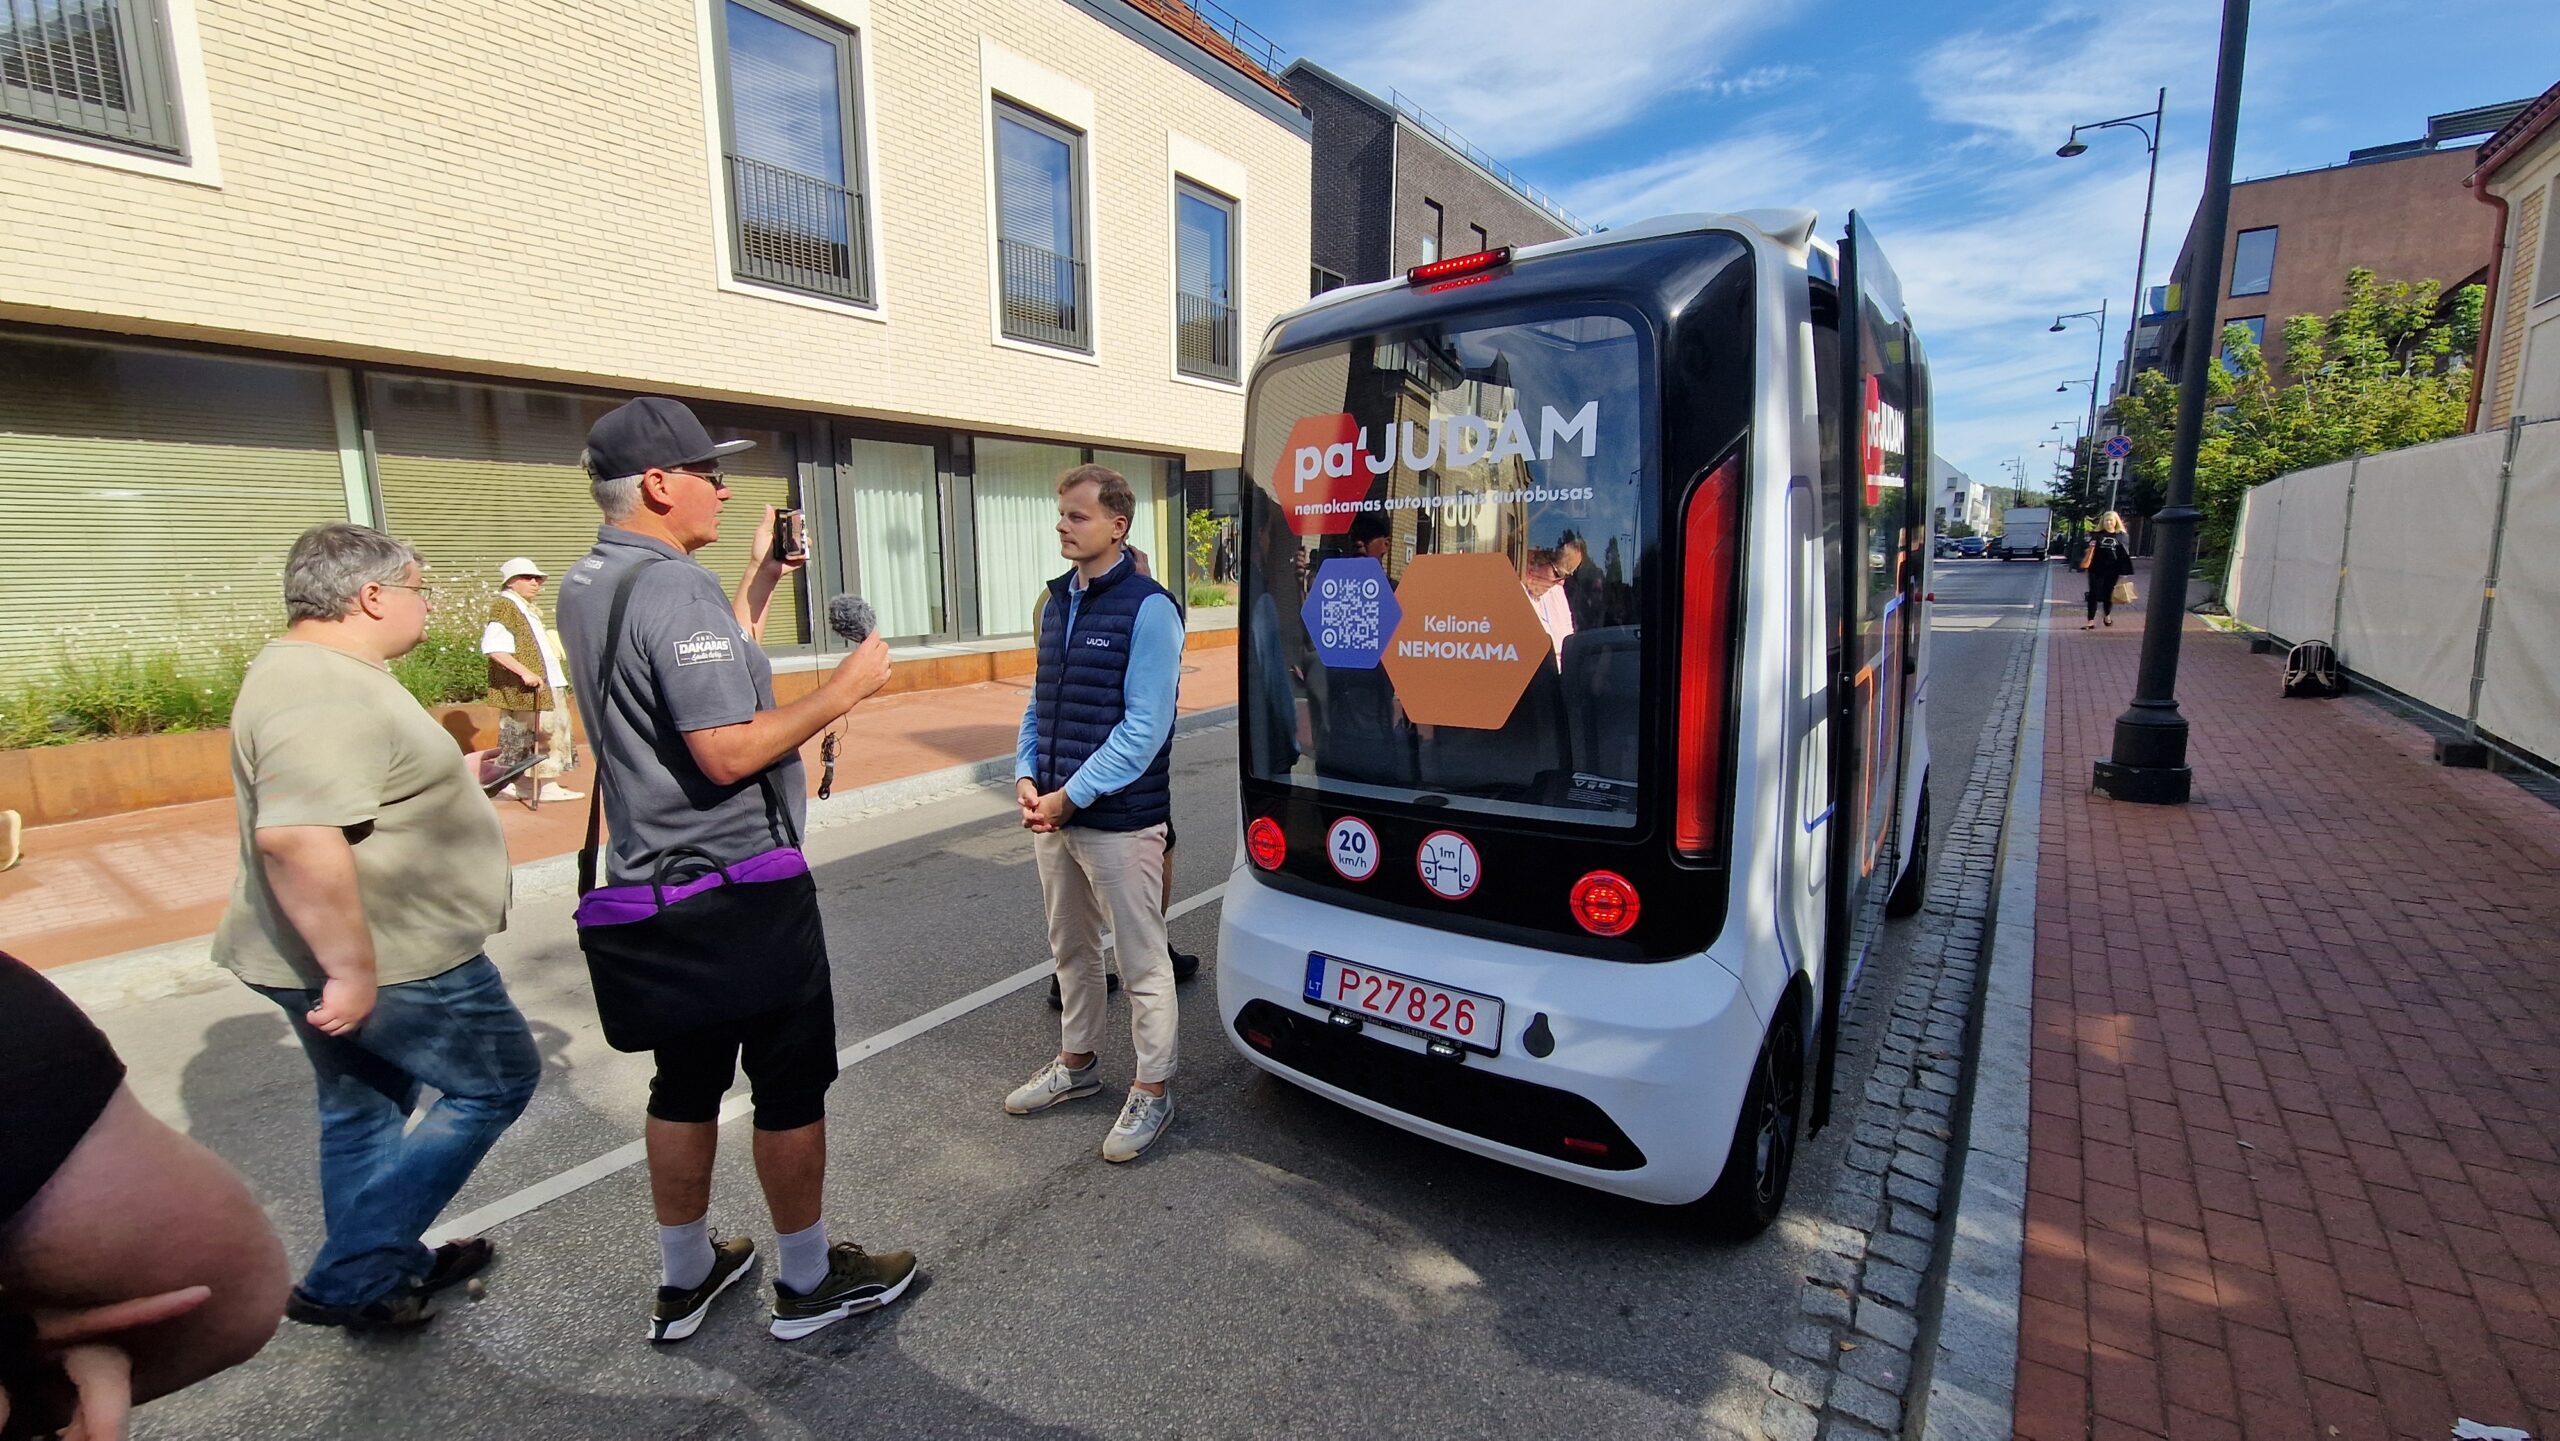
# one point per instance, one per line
(1938, 123)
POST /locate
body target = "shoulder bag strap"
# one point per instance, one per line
(604, 701)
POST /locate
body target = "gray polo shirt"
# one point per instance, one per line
(684, 664)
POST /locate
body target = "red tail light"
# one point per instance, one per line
(1588, 1148)
(1264, 842)
(1711, 543)
(1458, 265)
(1605, 903)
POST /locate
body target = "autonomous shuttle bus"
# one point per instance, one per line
(1582, 672)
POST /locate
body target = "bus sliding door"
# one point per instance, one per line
(1870, 507)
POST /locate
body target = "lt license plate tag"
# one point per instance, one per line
(1421, 1007)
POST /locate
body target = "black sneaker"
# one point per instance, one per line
(856, 1281)
(1110, 987)
(403, 1310)
(1185, 966)
(679, 1314)
(457, 1262)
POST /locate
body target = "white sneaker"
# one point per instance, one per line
(1142, 1119)
(1053, 1084)
(554, 791)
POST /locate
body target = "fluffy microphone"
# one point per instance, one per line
(851, 616)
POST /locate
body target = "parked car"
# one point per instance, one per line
(1947, 545)
(1970, 547)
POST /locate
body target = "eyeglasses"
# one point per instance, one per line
(715, 476)
(426, 593)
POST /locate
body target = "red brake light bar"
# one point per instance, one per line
(1457, 265)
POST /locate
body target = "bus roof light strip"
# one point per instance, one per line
(1493, 259)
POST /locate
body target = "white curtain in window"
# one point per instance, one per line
(898, 534)
(1017, 511)
(1147, 528)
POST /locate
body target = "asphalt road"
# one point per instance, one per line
(1276, 1266)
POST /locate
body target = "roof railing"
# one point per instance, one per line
(1431, 125)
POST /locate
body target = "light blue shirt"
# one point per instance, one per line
(1147, 689)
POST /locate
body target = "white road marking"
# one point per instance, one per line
(622, 1158)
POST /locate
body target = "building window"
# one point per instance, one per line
(1483, 243)
(1432, 221)
(2256, 325)
(1204, 309)
(1320, 280)
(2546, 271)
(1039, 230)
(2253, 262)
(792, 151)
(96, 69)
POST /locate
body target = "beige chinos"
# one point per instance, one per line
(1096, 880)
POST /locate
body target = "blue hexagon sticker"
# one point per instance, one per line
(1350, 612)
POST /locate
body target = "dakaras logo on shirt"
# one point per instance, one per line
(704, 648)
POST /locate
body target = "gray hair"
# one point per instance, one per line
(616, 495)
(330, 564)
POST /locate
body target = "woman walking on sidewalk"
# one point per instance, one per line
(2108, 561)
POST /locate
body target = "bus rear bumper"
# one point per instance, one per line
(1637, 1096)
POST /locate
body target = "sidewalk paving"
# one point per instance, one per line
(95, 888)
(2296, 1075)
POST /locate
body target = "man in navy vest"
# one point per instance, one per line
(1093, 774)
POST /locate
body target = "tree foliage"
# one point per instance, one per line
(2384, 370)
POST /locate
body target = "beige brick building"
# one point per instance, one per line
(278, 262)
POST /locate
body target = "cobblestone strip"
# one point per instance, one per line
(1846, 1370)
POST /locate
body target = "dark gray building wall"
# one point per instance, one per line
(1427, 171)
(1354, 170)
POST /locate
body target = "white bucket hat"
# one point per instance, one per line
(521, 565)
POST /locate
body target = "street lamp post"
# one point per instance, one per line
(2149, 763)
(2072, 146)
(2090, 476)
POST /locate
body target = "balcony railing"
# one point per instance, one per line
(797, 231)
(88, 67)
(1204, 334)
(1044, 296)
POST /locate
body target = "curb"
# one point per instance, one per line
(180, 968)
(1973, 1374)
(1857, 1358)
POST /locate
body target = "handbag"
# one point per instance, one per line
(2123, 593)
(700, 943)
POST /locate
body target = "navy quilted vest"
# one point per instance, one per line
(1081, 697)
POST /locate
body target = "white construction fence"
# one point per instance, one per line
(2434, 571)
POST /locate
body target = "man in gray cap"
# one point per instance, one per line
(692, 752)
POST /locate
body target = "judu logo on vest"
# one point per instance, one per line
(1328, 464)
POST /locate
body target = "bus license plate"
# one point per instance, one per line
(1406, 1003)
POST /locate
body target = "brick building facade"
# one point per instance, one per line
(321, 261)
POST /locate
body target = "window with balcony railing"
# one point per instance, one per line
(1204, 312)
(1044, 290)
(89, 69)
(790, 107)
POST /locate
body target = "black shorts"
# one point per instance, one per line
(790, 1056)
(57, 1073)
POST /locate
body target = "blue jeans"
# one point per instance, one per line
(381, 1182)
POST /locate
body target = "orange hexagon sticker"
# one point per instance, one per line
(1468, 644)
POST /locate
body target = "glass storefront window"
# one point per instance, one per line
(891, 499)
(1017, 522)
(153, 496)
(473, 474)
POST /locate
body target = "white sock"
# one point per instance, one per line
(684, 1253)
(801, 1258)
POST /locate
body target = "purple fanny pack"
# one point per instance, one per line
(623, 905)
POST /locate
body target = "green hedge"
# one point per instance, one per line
(92, 697)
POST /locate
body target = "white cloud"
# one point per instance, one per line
(1772, 164)
(1521, 77)
(2029, 84)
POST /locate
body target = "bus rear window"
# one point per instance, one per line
(1441, 589)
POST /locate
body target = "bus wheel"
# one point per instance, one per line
(1913, 889)
(1762, 1160)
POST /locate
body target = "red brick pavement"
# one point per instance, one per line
(2296, 1077)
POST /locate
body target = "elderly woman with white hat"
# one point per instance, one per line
(527, 681)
